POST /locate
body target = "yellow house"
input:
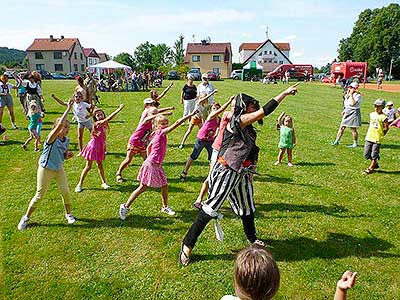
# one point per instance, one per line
(207, 56)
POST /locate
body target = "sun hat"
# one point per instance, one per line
(148, 101)
(190, 76)
(389, 103)
(379, 102)
(204, 75)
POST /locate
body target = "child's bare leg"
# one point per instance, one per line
(141, 188)
(289, 155)
(36, 142)
(339, 134)
(203, 191)
(143, 155)
(164, 195)
(372, 164)
(85, 170)
(101, 171)
(125, 163)
(281, 153)
(188, 131)
(27, 141)
(188, 164)
(80, 138)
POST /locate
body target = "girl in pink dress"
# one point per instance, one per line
(152, 173)
(95, 150)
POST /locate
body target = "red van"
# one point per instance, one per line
(296, 71)
(347, 70)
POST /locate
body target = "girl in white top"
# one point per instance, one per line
(6, 99)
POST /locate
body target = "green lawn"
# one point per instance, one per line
(318, 218)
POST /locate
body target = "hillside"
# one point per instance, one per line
(11, 55)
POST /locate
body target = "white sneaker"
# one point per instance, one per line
(70, 218)
(168, 210)
(277, 163)
(23, 222)
(78, 188)
(257, 242)
(105, 186)
(123, 211)
(290, 164)
(14, 126)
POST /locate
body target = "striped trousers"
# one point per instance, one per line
(225, 183)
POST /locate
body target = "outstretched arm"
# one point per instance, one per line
(346, 282)
(59, 100)
(208, 96)
(112, 115)
(60, 124)
(268, 108)
(164, 91)
(179, 122)
(160, 110)
(214, 114)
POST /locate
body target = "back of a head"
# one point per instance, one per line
(256, 274)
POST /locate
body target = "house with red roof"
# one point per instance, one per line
(51, 54)
(103, 57)
(207, 56)
(267, 54)
(92, 57)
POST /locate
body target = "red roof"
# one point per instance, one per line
(254, 46)
(194, 48)
(90, 52)
(53, 44)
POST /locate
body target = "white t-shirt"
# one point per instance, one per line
(206, 89)
(389, 113)
(6, 88)
(80, 111)
(348, 102)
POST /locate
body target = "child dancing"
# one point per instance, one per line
(95, 150)
(378, 127)
(152, 173)
(139, 140)
(34, 119)
(205, 136)
(51, 167)
(287, 139)
(81, 113)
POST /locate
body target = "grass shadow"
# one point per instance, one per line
(188, 179)
(390, 146)
(387, 172)
(333, 210)
(337, 245)
(116, 154)
(210, 257)
(10, 142)
(314, 164)
(130, 186)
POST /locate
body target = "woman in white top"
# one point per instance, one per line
(351, 115)
(6, 98)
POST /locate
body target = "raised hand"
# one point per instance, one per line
(347, 281)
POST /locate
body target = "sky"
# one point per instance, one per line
(313, 28)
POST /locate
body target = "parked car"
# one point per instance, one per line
(213, 76)
(173, 75)
(9, 73)
(72, 75)
(195, 73)
(58, 76)
(45, 74)
(236, 74)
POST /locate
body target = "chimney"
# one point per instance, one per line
(62, 37)
(51, 38)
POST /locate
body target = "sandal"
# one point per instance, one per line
(183, 258)
(183, 176)
(368, 171)
(119, 178)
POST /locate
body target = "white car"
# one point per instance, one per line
(236, 74)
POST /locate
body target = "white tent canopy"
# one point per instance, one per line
(110, 64)
(251, 65)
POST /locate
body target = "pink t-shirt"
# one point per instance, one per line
(144, 114)
(218, 140)
(207, 131)
(141, 136)
(158, 147)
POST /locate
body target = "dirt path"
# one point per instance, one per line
(385, 87)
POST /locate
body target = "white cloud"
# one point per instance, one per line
(298, 54)
(290, 38)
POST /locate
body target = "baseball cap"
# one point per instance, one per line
(204, 75)
(190, 76)
(379, 102)
(148, 101)
(389, 103)
(354, 85)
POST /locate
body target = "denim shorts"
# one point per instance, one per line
(87, 124)
(199, 145)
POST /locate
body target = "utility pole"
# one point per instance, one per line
(266, 32)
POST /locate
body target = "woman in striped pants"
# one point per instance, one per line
(231, 175)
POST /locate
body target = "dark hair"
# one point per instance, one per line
(79, 79)
(256, 274)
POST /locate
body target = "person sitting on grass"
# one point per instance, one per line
(378, 127)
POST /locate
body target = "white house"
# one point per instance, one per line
(268, 54)
(92, 56)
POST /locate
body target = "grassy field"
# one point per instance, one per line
(319, 218)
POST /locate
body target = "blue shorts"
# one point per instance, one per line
(199, 145)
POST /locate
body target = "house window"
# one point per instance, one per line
(216, 57)
(57, 55)
(81, 56)
(90, 61)
(216, 70)
(76, 67)
(58, 67)
(195, 58)
(38, 55)
(260, 53)
(75, 55)
(83, 68)
(40, 67)
(269, 52)
(281, 62)
(265, 52)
